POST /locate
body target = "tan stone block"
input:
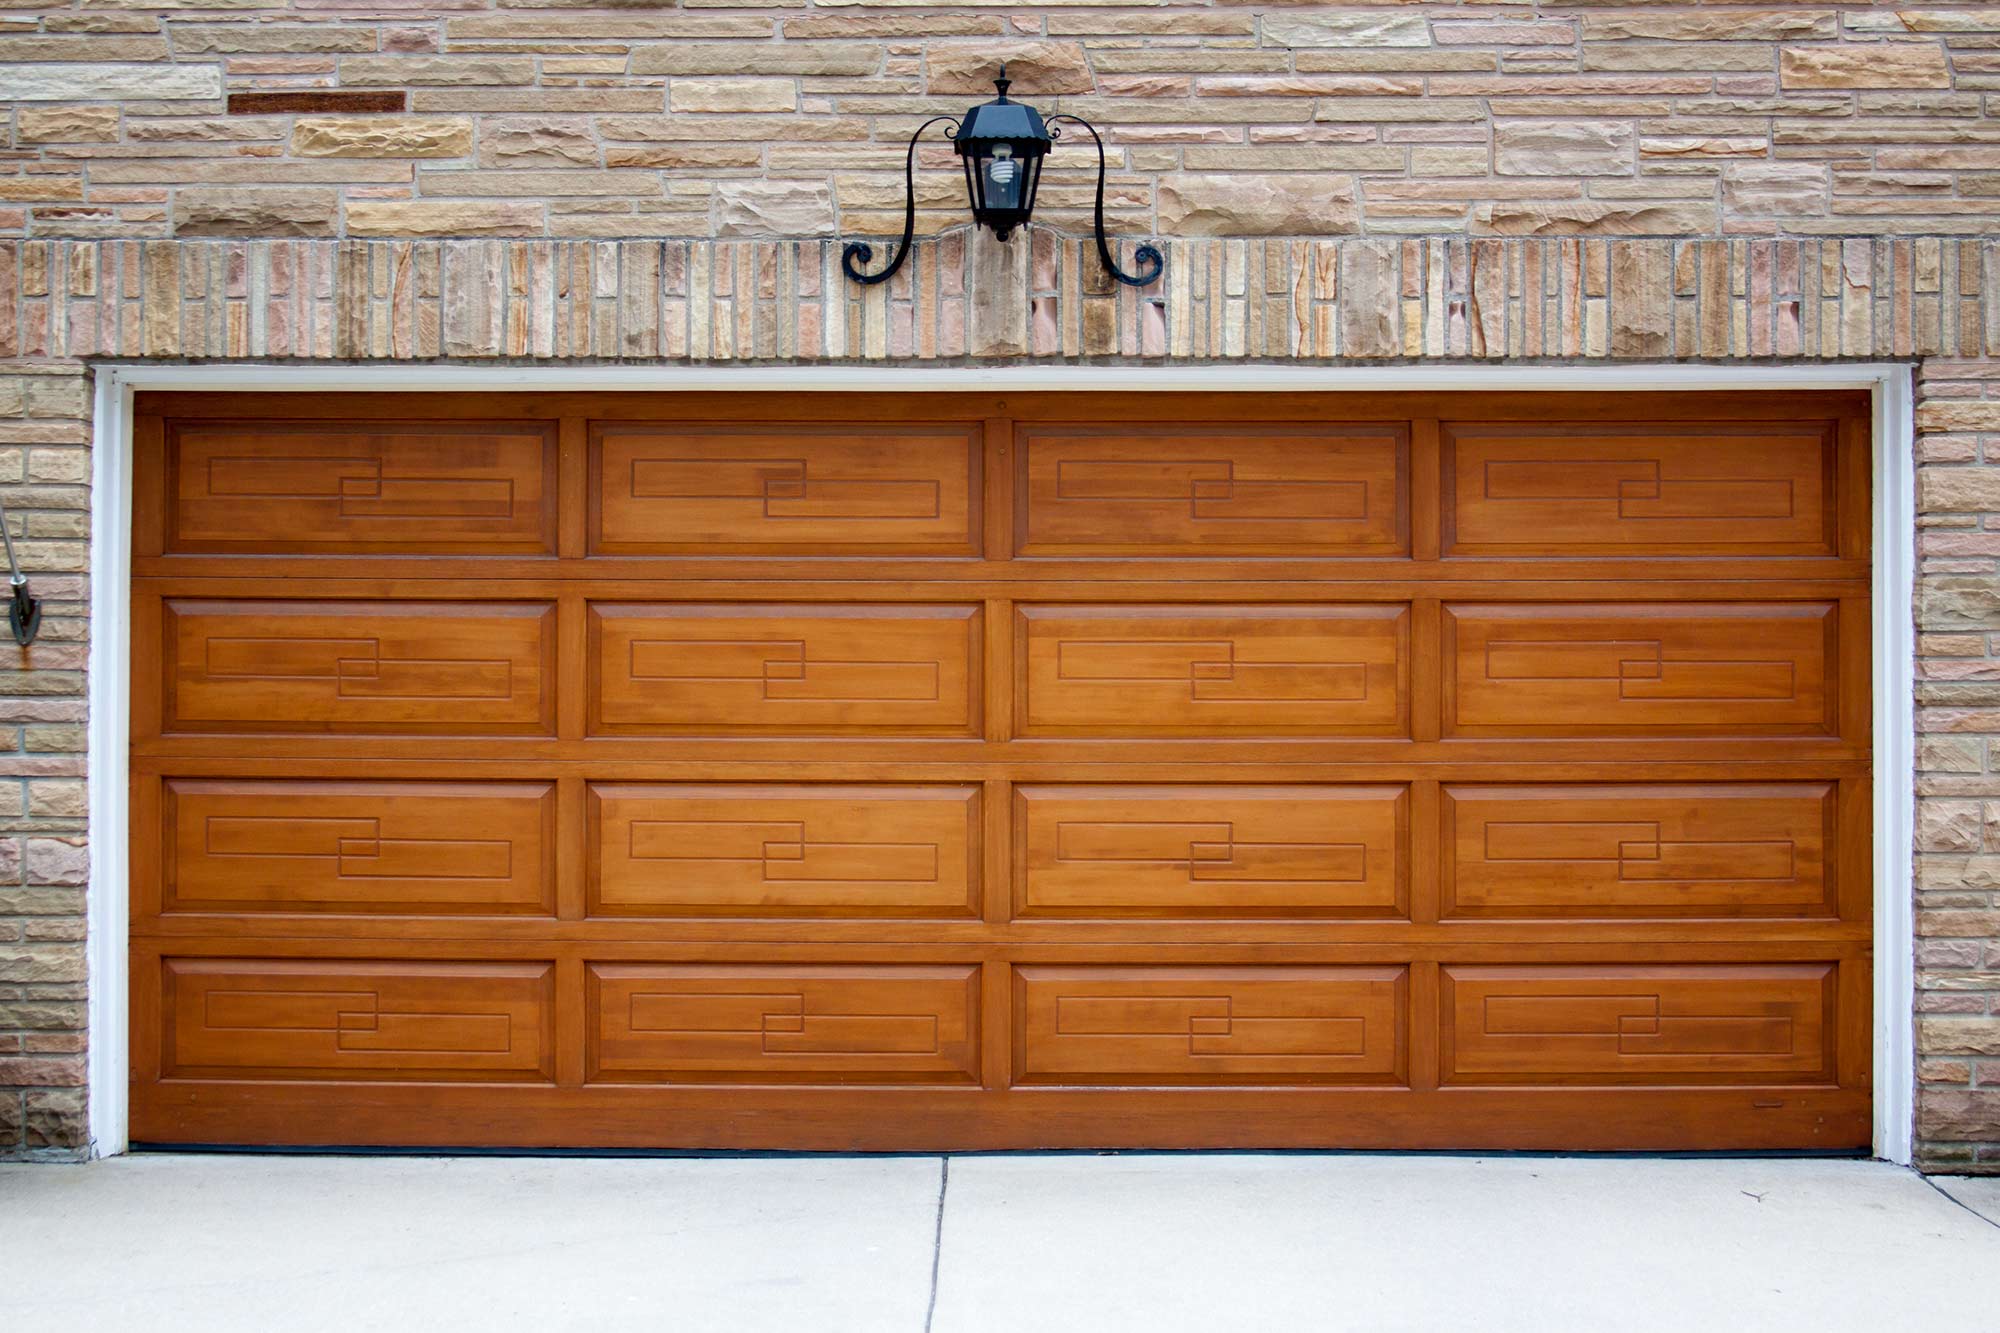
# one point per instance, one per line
(704, 156)
(1958, 414)
(1345, 28)
(40, 189)
(895, 25)
(254, 212)
(1204, 60)
(1036, 68)
(1774, 189)
(66, 124)
(1217, 205)
(758, 58)
(536, 101)
(538, 141)
(1377, 110)
(1874, 65)
(303, 38)
(540, 184)
(773, 208)
(20, 50)
(1958, 490)
(1297, 157)
(1958, 602)
(442, 218)
(381, 136)
(1971, 1116)
(1562, 148)
(1671, 56)
(1699, 148)
(766, 129)
(1375, 60)
(1948, 826)
(491, 27)
(436, 71)
(81, 82)
(1590, 218)
(1151, 25)
(732, 95)
(1730, 25)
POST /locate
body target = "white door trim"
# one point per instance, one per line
(1894, 636)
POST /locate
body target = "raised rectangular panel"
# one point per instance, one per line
(779, 1023)
(1744, 1023)
(1629, 489)
(1239, 490)
(372, 667)
(445, 1022)
(1223, 670)
(250, 845)
(1714, 849)
(784, 849)
(1207, 1025)
(325, 487)
(777, 670)
(1210, 851)
(784, 490)
(1688, 669)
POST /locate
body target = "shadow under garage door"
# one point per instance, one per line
(955, 771)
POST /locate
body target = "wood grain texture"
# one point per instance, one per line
(784, 849)
(337, 487)
(797, 490)
(1180, 491)
(934, 772)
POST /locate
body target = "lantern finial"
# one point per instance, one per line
(1003, 83)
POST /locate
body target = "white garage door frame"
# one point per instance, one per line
(1894, 638)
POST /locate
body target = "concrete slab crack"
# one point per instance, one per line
(937, 1240)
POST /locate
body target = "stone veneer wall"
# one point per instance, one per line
(557, 180)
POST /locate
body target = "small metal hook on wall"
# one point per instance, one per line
(24, 610)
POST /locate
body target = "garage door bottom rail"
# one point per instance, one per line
(899, 1120)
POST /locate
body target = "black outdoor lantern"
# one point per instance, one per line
(1001, 145)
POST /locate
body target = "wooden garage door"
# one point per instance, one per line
(960, 771)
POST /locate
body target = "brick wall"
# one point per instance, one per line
(1958, 764)
(554, 180)
(44, 862)
(789, 117)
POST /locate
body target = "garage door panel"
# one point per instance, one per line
(1173, 1026)
(1211, 850)
(1166, 490)
(796, 670)
(1574, 851)
(1693, 669)
(776, 1023)
(1629, 488)
(1664, 1023)
(1237, 670)
(388, 848)
(298, 488)
(359, 667)
(786, 489)
(784, 849)
(247, 1018)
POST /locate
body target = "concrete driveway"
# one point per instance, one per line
(1140, 1242)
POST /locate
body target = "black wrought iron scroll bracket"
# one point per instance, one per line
(24, 610)
(860, 252)
(1151, 262)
